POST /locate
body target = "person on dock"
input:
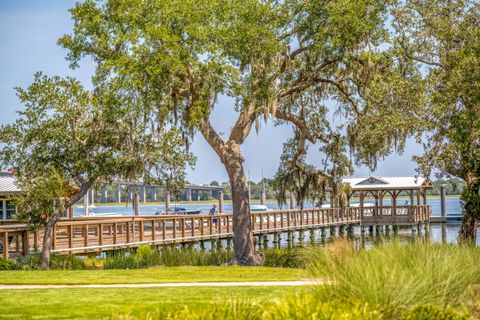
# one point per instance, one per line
(213, 210)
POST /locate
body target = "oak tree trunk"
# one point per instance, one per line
(244, 247)
(47, 243)
(471, 211)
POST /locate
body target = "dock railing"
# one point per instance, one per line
(94, 234)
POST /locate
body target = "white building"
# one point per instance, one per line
(8, 188)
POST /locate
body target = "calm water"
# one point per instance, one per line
(452, 204)
(436, 234)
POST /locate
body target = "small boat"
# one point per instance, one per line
(181, 210)
(102, 214)
(258, 208)
(454, 218)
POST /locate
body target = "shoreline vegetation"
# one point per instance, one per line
(391, 280)
(172, 203)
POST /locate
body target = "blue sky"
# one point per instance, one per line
(28, 34)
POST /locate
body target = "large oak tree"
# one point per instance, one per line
(287, 60)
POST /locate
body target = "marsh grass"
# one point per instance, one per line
(172, 256)
(168, 256)
(396, 276)
(57, 262)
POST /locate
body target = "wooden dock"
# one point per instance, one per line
(99, 234)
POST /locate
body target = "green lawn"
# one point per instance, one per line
(153, 275)
(103, 303)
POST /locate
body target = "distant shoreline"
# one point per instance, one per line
(107, 204)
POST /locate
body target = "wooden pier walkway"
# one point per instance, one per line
(98, 234)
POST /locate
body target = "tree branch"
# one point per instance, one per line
(244, 123)
(301, 126)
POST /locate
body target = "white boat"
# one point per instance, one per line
(258, 208)
(366, 204)
(102, 214)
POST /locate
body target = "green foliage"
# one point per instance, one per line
(209, 311)
(6, 264)
(442, 40)
(57, 262)
(311, 306)
(429, 312)
(453, 186)
(284, 258)
(398, 276)
(147, 256)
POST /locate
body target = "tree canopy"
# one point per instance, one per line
(289, 61)
(442, 40)
(68, 139)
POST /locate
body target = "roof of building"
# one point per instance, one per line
(7, 184)
(382, 183)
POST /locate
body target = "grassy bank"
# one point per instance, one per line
(404, 281)
(152, 275)
(105, 303)
(392, 280)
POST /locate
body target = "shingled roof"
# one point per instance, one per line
(376, 183)
(7, 184)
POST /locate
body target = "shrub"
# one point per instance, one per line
(170, 256)
(57, 262)
(6, 264)
(430, 312)
(396, 276)
(284, 258)
(67, 262)
(314, 307)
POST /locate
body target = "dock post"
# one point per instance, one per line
(289, 239)
(341, 230)
(312, 235)
(350, 230)
(444, 233)
(220, 202)
(370, 231)
(362, 230)
(395, 230)
(119, 193)
(260, 241)
(262, 197)
(323, 234)
(265, 240)
(275, 240)
(443, 207)
(136, 203)
(414, 230)
(332, 231)
(167, 200)
(301, 236)
(387, 230)
(229, 244)
(202, 245)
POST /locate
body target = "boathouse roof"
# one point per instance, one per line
(388, 183)
(7, 184)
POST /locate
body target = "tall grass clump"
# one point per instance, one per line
(168, 256)
(235, 310)
(396, 276)
(284, 258)
(57, 262)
